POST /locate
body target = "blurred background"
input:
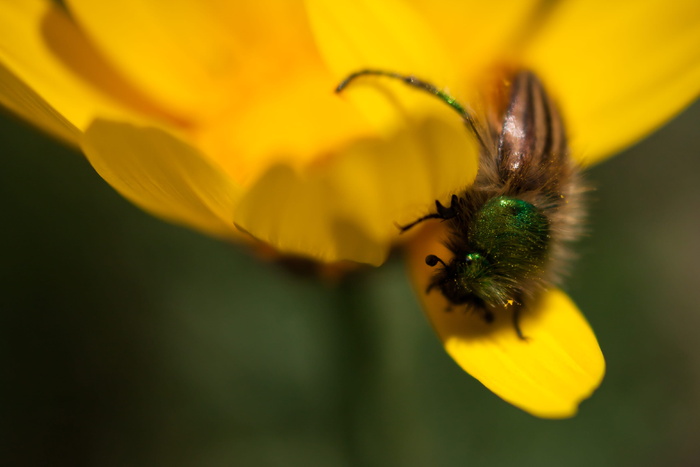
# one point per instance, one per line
(129, 341)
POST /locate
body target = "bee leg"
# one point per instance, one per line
(517, 309)
(443, 213)
(447, 213)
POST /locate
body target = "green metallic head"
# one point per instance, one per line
(508, 243)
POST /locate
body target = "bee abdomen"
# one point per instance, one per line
(532, 148)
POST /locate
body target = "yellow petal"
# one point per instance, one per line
(470, 34)
(27, 104)
(365, 34)
(445, 42)
(548, 374)
(618, 69)
(162, 175)
(35, 82)
(197, 58)
(386, 35)
(345, 208)
(293, 122)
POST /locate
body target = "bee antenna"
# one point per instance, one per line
(432, 260)
(420, 84)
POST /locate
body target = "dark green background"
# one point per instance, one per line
(129, 341)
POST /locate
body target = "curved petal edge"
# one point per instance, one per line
(163, 175)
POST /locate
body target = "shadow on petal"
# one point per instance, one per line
(68, 43)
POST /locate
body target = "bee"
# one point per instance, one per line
(508, 232)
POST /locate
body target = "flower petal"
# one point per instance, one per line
(198, 58)
(619, 69)
(34, 82)
(345, 208)
(363, 34)
(469, 33)
(162, 175)
(548, 374)
(444, 42)
(382, 35)
(27, 104)
(293, 122)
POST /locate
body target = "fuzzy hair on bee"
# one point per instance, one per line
(509, 231)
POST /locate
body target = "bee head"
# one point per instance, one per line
(472, 273)
(464, 278)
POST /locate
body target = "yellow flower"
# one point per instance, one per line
(221, 116)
